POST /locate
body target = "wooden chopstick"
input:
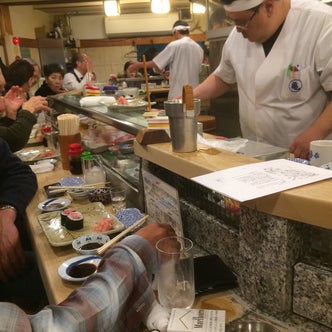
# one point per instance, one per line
(146, 83)
(84, 186)
(112, 242)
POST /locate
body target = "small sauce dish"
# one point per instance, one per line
(88, 244)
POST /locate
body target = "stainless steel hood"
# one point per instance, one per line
(82, 7)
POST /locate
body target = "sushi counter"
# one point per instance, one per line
(279, 246)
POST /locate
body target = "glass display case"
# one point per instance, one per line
(109, 134)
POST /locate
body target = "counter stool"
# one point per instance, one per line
(209, 123)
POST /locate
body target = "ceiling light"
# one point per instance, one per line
(198, 8)
(160, 6)
(112, 7)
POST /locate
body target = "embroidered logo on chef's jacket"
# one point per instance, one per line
(294, 73)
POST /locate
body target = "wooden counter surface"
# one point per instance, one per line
(49, 258)
(310, 204)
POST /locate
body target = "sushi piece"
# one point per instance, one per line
(74, 221)
(64, 216)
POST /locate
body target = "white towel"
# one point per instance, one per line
(158, 318)
(97, 101)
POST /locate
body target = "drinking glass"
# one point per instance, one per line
(93, 170)
(175, 277)
(118, 198)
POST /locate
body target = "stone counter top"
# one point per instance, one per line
(310, 204)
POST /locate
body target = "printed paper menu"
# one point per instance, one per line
(251, 181)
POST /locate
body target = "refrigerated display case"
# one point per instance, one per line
(109, 134)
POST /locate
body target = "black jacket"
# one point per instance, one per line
(18, 184)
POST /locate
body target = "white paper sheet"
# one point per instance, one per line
(251, 181)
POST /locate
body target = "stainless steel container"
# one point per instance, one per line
(183, 125)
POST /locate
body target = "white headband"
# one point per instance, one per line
(241, 5)
(181, 27)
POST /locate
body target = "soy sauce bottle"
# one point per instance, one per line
(74, 156)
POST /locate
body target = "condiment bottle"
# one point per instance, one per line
(74, 156)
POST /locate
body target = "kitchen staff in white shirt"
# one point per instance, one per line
(280, 55)
(184, 57)
(81, 74)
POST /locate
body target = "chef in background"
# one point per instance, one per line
(184, 57)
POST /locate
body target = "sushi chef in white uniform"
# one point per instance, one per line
(280, 55)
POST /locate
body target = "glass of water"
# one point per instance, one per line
(118, 198)
(175, 277)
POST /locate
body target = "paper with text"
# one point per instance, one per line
(251, 181)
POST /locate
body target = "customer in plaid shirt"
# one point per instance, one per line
(117, 298)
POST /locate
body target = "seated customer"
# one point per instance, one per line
(21, 73)
(52, 85)
(18, 270)
(81, 74)
(16, 122)
(127, 73)
(117, 298)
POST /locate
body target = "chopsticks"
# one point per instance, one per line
(83, 186)
(68, 124)
(55, 189)
(112, 242)
(146, 83)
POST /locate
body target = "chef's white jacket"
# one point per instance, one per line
(184, 56)
(282, 94)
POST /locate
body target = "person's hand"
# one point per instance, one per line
(155, 231)
(133, 68)
(166, 75)
(14, 99)
(301, 145)
(12, 259)
(35, 104)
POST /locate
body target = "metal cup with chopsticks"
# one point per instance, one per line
(183, 120)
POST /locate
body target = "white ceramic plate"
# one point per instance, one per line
(64, 268)
(72, 181)
(54, 204)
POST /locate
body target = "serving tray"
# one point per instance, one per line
(59, 235)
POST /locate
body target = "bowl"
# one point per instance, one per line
(88, 244)
(102, 195)
(252, 326)
(78, 193)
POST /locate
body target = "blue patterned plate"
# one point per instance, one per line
(129, 216)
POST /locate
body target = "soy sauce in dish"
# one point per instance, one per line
(82, 270)
(91, 246)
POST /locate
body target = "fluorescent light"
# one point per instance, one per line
(160, 6)
(112, 8)
(198, 8)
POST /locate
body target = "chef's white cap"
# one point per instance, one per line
(241, 5)
(181, 27)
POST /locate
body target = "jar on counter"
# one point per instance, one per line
(74, 156)
(92, 169)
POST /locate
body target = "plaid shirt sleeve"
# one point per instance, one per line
(116, 299)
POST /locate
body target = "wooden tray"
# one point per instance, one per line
(59, 235)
